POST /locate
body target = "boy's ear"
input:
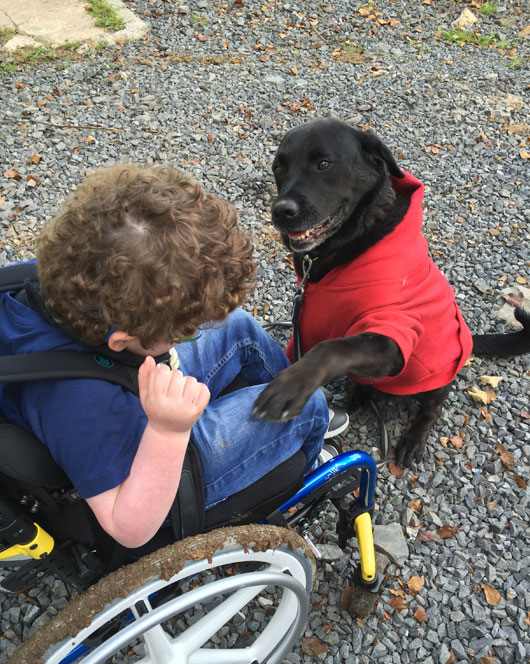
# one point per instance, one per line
(118, 341)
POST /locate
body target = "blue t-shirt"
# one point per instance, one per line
(91, 427)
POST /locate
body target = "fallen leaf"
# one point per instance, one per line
(514, 298)
(480, 395)
(521, 280)
(457, 442)
(492, 381)
(427, 536)
(451, 658)
(416, 583)
(447, 531)
(488, 660)
(2, 201)
(211, 138)
(398, 603)
(294, 71)
(415, 505)
(524, 154)
(32, 180)
(345, 598)
(493, 596)
(35, 158)
(395, 470)
(311, 646)
(202, 38)
(444, 441)
(520, 482)
(525, 414)
(506, 457)
(524, 32)
(12, 175)
(420, 614)
(328, 627)
(19, 85)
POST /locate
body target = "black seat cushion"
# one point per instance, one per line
(258, 500)
(23, 457)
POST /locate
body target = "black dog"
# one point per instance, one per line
(375, 306)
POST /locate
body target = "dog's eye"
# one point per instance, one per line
(277, 169)
(323, 164)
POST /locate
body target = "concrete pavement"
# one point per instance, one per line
(52, 23)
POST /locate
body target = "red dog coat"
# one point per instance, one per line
(394, 289)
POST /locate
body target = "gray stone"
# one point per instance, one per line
(390, 540)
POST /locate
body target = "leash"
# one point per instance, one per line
(297, 305)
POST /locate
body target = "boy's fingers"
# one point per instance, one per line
(190, 388)
(203, 397)
(145, 370)
(161, 378)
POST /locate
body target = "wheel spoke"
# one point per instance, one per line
(158, 644)
(197, 635)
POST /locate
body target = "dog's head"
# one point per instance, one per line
(325, 170)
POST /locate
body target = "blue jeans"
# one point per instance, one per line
(236, 449)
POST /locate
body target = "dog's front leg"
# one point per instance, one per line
(364, 355)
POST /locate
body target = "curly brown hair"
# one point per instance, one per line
(143, 250)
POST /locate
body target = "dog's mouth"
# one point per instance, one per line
(316, 235)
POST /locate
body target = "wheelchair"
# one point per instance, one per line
(237, 592)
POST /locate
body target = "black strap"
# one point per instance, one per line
(59, 364)
(12, 277)
(188, 509)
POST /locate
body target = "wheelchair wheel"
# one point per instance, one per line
(235, 595)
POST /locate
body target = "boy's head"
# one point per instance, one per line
(144, 250)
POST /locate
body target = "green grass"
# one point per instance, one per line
(38, 55)
(461, 37)
(199, 19)
(105, 15)
(71, 46)
(515, 63)
(488, 8)
(6, 34)
(7, 67)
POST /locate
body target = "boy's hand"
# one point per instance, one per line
(172, 402)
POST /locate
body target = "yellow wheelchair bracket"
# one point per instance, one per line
(365, 537)
(41, 545)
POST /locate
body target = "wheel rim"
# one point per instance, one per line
(286, 573)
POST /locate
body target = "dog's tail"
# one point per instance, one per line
(512, 343)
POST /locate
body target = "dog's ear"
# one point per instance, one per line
(376, 148)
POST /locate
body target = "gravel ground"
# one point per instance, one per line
(213, 89)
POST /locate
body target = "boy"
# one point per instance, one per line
(139, 259)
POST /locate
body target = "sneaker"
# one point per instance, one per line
(339, 421)
(327, 452)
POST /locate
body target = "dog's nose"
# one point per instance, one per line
(285, 209)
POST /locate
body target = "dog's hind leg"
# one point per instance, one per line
(357, 396)
(412, 445)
